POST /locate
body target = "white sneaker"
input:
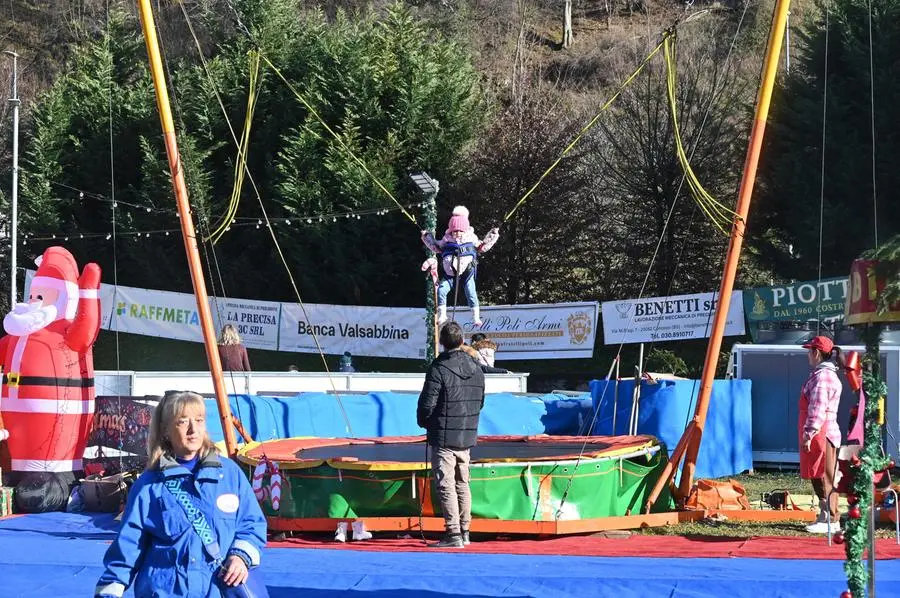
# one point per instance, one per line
(442, 315)
(359, 531)
(340, 535)
(822, 527)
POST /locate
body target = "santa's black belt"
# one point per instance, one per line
(16, 380)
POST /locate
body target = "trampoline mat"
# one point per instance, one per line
(412, 449)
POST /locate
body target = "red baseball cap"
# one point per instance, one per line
(822, 343)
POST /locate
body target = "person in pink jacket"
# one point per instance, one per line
(820, 435)
(459, 249)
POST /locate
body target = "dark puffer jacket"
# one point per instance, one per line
(451, 401)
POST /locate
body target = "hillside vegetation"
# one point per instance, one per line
(482, 95)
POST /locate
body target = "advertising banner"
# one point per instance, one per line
(537, 331)
(156, 313)
(675, 318)
(798, 301)
(255, 321)
(370, 331)
(521, 332)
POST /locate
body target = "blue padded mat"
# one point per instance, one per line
(60, 555)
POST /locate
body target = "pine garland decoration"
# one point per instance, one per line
(429, 215)
(871, 460)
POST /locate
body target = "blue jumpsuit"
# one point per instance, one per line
(158, 550)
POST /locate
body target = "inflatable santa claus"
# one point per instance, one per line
(47, 397)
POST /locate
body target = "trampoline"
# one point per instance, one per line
(513, 479)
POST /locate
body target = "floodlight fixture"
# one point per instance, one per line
(425, 183)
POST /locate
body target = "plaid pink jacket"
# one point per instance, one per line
(823, 391)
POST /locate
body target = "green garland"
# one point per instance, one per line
(871, 460)
(429, 215)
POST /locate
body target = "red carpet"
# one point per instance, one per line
(778, 547)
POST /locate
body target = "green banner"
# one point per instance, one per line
(812, 300)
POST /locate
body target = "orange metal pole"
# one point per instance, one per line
(670, 467)
(776, 35)
(693, 433)
(187, 225)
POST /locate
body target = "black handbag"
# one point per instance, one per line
(106, 494)
(254, 587)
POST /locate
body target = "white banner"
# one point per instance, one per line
(560, 331)
(658, 319)
(539, 331)
(156, 313)
(255, 321)
(370, 331)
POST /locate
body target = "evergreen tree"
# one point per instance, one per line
(399, 96)
(785, 220)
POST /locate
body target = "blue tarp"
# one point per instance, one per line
(394, 414)
(667, 406)
(61, 554)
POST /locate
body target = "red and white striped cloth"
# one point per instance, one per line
(273, 490)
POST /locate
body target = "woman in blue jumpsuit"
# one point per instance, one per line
(157, 548)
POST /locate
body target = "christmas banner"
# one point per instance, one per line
(675, 318)
(866, 285)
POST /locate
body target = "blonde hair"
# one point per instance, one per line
(171, 407)
(230, 336)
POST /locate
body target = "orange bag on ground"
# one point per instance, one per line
(711, 494)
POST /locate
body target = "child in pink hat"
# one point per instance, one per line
(459, 250)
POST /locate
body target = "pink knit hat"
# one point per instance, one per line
(459, 220)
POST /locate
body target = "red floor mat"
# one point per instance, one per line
(780, 547)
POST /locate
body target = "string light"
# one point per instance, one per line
(236, 222)
(380, 211)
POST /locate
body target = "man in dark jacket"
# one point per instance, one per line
(449, 407)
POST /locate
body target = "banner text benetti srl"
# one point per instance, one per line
(679, 317)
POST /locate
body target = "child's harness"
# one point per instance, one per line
(458, 251)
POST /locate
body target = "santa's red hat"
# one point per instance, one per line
(58, 270)
(459, 220)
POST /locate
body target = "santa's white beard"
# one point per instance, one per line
(27, 318)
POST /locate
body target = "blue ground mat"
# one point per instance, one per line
(60, 555)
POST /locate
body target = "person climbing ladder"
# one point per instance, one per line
(459, 250)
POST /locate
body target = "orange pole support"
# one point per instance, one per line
(239, 426)
(670, 467)
(187, 224)
(776, 35)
